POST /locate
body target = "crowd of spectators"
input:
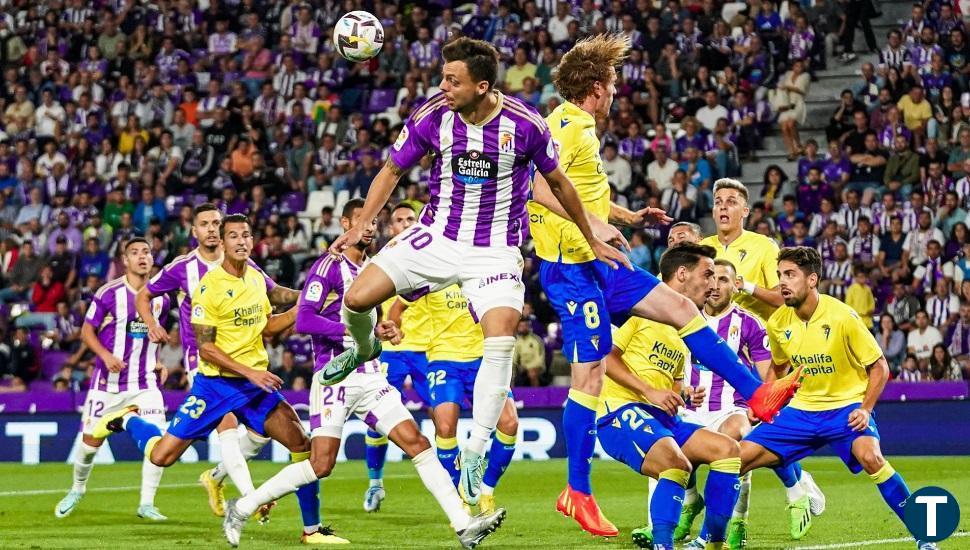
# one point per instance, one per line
(119, 115)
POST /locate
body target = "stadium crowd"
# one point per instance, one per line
(119, 116)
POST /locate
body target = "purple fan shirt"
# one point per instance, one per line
(748, 338)
(480, 176)
(182, 276)
(120, 330)
(318, 313)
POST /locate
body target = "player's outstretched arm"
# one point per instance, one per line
(878, 376)
(205, 337)
(143, 305)
(617, 370)
(90, 339)
(542, 194)
(380, 191)
(640, 218)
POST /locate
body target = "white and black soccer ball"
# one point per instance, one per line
(358, 36)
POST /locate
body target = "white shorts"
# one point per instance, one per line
(367, 395)
(420, 261)
(151, 406)
(712, 420)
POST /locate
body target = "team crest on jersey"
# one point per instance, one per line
(827, 330)
(156, 308)
(595, 340)
(506, 142)
(401, 139)
(742, 254)
(474, 168)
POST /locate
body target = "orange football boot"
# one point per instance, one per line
(583, 508)
(771, 397)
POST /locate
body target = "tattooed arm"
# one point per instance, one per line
(205, 337)
(380, 191)
(280, 296)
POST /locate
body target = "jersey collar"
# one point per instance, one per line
(572, 110)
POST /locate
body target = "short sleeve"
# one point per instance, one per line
(270, 283)
(859, 340)
(756, 338)
(412, 143)
(624, 335)
(542, 148)
(96, 313)
(316, 288)
(165, 281)
(204, 309)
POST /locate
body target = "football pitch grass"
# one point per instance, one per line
(855, 517)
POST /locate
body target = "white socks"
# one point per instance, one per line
(83, 463)
(690, 495)
(491, 390)
(287, 481)
(377, 483)
(651, 488)
(744, 498)
(438, 483)
(151, 477)
(795, 492)
(234, 463)
(250, 444)
(361, 328)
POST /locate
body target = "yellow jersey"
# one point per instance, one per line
(653, 352)
(455, 335)
(755, 257)
(835, 347)
(415, 324)
(574, 134)
(238, 308)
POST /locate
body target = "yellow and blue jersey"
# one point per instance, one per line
(238, 308)
(415, 324)
(653, 352)
(574, 133)
(834, 346)
(755, 258)
(455, 335)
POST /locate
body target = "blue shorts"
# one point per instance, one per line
(400, 364)
(213, 397)
(796, 434)
(453, 382)
(588, 297)
(627, 433)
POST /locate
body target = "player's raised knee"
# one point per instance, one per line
(356, 299)
(727, 447)
(322, 465)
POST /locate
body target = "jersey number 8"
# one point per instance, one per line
(592, 314)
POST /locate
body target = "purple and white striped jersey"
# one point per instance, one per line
(182, 276)
(425, 54)
(748, 338)
(121, 331)
(480, 176)
(319, 310)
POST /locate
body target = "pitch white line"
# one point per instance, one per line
(867, 543)
(124, 488)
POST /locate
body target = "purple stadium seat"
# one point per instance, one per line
(381, 100)
(51, 362)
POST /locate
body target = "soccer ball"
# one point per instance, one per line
(358, 36)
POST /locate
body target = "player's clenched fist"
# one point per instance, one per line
(388, 331)
(265, 380)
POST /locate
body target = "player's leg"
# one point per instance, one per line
(575, 293)
(634, 436)
(500, 455)
(446, 440)
(151, 408)
(282, 424)
(405, 434)
(736, 426)
(450, 384)
(96, 404)
(664, 305)
(890, 483)
(491, 280)
(791, 437)
(375, 454)
(721, 490)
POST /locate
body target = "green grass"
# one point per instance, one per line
(411, 519)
